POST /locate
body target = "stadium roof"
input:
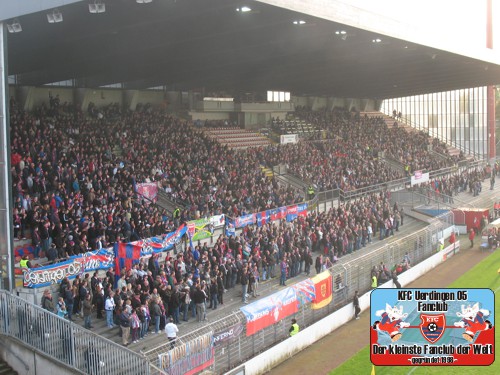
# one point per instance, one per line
(190, 44)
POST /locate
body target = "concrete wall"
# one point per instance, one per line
(287, 348)
(209, 116)
(26, 361)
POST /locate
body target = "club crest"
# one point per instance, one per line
(432, 326)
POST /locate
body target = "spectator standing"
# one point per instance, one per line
(283, 270)
(244, 284)
(135, 324)
(109, 307)
(87, 311)
(69, 300)
(156, 313)
(61, 308)
(125, 325)
(472, 235)
(319, 263)
(171, 331)
(294, 329)
(395, 280)
(47, 302)
(199, 298)
(355, 303)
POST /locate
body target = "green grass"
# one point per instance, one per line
(483, 275)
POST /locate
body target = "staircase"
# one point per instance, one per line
(5, 369)
(393, 164)
(168, 204)
(390, 121)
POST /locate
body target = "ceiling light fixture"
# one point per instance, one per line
(244, 9)
(377, 40)
(299, 22)
(55, 16)
(340, 32)
(143, 1)
(97, 7)
(14, 27)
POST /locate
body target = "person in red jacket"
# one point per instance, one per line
(453, 238)
(472, 234)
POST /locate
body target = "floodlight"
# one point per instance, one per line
(14, 27)
(55, 16)
(244, 9)
(97, 7)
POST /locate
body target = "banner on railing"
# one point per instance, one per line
(204, 228)
(122, 255)
(278, 213)
(148, 190)
(323, 288)
(190, 357)
(296, 210)
(289, 213)
(128, 253)
(305, 291)
(228, 334)
(289, 138)
(75, 265)
(245, 220)
(419, 178)
(269, 310)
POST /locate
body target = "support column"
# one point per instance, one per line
(490, 91)
(6, 231)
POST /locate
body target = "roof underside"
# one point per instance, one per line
(194, 44)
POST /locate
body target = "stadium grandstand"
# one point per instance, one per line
(210, 161)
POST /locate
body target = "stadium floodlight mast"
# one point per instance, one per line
(14, 26)
(97, 7)
(55, 16)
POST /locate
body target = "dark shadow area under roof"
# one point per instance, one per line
(198, 43)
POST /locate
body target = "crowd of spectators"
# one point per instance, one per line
(70, 191)
(73, 191)
(411, 149)
(186, 285)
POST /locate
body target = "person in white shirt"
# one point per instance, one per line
(171, 331)
(109, 306)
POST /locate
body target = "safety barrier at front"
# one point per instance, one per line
(233, 346)
(64, 341)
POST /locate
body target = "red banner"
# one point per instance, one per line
(323, 288)
(269, 310)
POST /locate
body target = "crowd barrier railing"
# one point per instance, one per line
(65, 342)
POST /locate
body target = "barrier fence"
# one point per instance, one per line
(351, 273)
(64, 341)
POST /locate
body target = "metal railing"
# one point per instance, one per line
(64, 341)
(351, 273)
